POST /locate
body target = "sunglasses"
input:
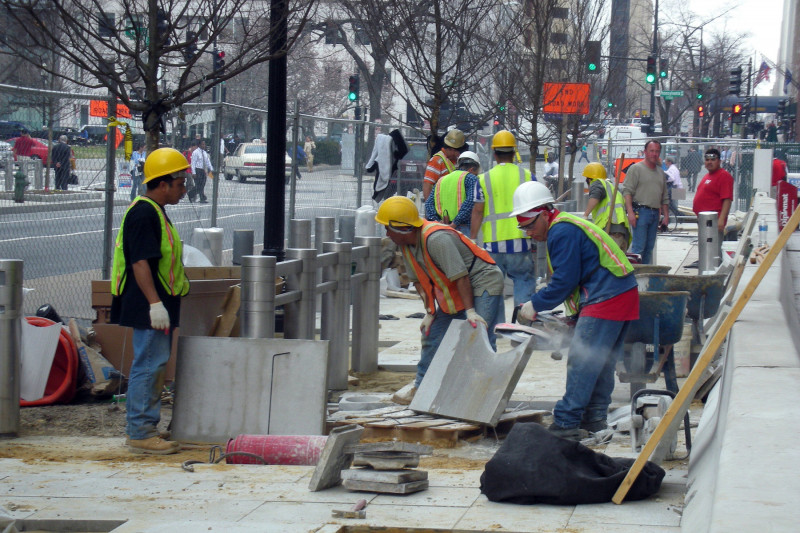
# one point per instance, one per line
(527, 226)
(711, 157)
(399, 227)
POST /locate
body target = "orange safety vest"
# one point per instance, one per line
(435, 285)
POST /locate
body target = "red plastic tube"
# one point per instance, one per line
(63, 379)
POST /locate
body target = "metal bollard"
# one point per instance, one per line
(708, 242)
(9, 170)
(10, 345)
(209, 241)
(335, 317)
(347, 228)
(299, 233)
(300, 317)
(578, 195)
(324, 231)
(242, 244)
(366, 308)
(257, 310)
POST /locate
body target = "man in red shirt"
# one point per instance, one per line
(23, 145)
(715, 190)
(779, 171)
(443, 162)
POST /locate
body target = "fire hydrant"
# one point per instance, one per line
(20, 184)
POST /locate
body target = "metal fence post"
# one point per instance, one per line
(324, 231)
(347, 228)
(299, 233)
(366, 307)
(300, 316)
(335, 317)
(257, 310)
(10, 345)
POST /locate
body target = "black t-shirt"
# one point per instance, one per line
(141, 239)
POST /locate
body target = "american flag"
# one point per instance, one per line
(763, 73)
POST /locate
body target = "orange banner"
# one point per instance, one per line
(566, 98)
(99, 108)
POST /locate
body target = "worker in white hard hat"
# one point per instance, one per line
(444, 161)
(454, 194)
(593, 277)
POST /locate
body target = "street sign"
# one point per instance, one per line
(99, 108)
(669, 95)
(566, 98)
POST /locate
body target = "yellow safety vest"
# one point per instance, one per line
(498, 202)
(170, 266)
(601, 210)
(611, 257)
(447, 163)
(450, 194)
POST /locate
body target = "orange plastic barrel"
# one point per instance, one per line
(63, 379)
(276, 449)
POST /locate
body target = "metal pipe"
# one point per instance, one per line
(335, 316)
(10, 345)
(242, 244)
(708, 242)
(293, 151)
(257, 310)
(217, 158)
(347, 228)
(300, 233)
(366, 307)
(108, 243)
(300, 316)
(324, 231)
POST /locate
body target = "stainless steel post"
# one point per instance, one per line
(578, 195)
(708, 242)
(347, 228)
(335, 316)
(324, 231)
(10, 345)
(299, 319)
(257, 310)
(300, 233)
(242, 244)
(366, 307)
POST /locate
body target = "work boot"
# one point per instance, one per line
(164, 434)
(153, 446)
(404, 395)
(576, 434)
(594, 426)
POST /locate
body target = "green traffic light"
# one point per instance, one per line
(650, 78)
(592, 67)
(352, 96)
(699, 96)
(610, 104)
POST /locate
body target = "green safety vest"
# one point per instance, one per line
(611, 257)
(449, 194)
(601, 210)
(170, 266)
(499, 193)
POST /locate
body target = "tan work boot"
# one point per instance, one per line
(405, 395)
(153, 446)
(164, 434)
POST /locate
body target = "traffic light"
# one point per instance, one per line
(735, 86)
(701, 111)
(190, 50)
(662, 68)
(650, 77)
(592, 56)
(736, 113)
(352, 91)
(610, 105)
(219, 59)
(701, 89)
(781, 109)
(501, 107)
(647, 125)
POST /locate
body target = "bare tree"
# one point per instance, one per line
(161, 47)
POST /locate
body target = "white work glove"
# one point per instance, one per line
(159, 318)
(474, 319)
(425, 326)
(527, 311)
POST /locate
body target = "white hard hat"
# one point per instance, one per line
(469, 156)
(530, 195)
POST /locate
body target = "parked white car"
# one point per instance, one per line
(249, 161)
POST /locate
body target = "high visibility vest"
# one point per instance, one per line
(170, 266)
(611, 257)
(602, 209)
(498, 190)
(435, 285)
(449, 194)
(447, 163)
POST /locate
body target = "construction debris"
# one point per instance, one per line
(386, 468)
(357, 511)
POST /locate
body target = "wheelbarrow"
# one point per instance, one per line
(650, 269)
(649, 341)
(705, 292)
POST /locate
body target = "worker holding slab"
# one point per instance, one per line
(455, 278)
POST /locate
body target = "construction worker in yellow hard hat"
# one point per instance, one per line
(456, 279)
(501, 237)
(147, 283)
(454, 194)
(443, 162)
(600, 191)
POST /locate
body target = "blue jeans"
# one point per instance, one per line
(519, 267)
(489, 307)
(644, 234)
(151, 350)
(595, 348)
(136, 185)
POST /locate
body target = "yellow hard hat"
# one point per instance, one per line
(504, 141)
(163, 162)
(455, 139)
(398, 211)
(594, 171)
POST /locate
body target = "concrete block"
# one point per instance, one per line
(232, 386)
(334, 458)
(387, 460)
(384, 476)
(467, 380)
(391, 446)
(388, 488)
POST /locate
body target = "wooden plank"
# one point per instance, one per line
(226, 322)
(672, 419)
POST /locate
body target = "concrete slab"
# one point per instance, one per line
(328, 472)
(467, 380)
(233, 386)
(383, 476)
(386, 488)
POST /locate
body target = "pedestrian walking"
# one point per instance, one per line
(60, 156)
(202, 169)
(310, 146)
(137, 171)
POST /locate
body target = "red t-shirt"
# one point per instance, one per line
(23, 146)
(624, 306)
(778, 171)
(712, 190)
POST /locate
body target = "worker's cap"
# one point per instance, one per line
(455, 139)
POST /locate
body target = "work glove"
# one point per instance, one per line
(159, 318)
(425, 326)
(474, 319)
(527, 311)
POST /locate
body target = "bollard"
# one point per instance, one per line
(300, 316)
(257, 310)
(579, 195)
(209, 241)
(335, 316)
(324, 231)
(366, 308)
(299, 233)
(242, 244)
(10, 345)
(347, 228)
(708, 242)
